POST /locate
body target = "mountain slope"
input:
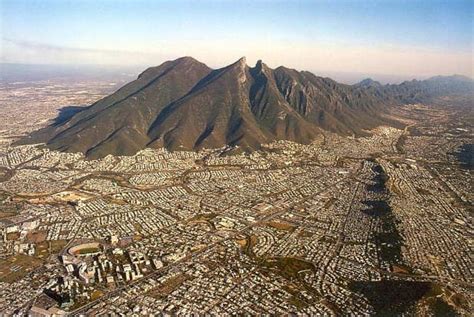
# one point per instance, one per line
(118, 124)
(332, 106)
(235, 105)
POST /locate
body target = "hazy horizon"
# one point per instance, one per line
(12, 72)
(398, 40)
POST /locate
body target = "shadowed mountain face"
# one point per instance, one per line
(185, 105)
(118, 124)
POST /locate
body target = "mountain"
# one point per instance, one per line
(118, 124)
(420, 90)
(235, 105)
(368, 83)
(434, 87)
(185, 105)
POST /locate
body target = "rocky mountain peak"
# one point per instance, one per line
(185, 105)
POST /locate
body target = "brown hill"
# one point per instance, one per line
(185, 105)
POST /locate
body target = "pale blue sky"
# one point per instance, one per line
(385, 36)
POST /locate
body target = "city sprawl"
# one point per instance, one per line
(342, 226)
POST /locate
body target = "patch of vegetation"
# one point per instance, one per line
(203, 217)
(46, 248)
(305, 234)
(96, 295)
(247, 244)
(327, 239)
(37, 236)
(280, 225)
(88, 250)
(12, 236)
(6, 214)
(16, 267)
(288, 267)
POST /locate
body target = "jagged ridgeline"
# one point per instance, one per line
(185, 105)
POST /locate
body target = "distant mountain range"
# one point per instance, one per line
(185, 105)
